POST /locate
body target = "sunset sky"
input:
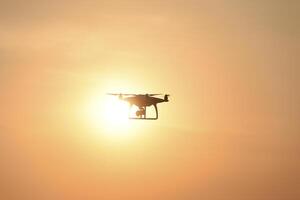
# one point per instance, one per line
(231, 128)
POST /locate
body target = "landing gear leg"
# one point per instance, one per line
(155, 106)
(129, 110)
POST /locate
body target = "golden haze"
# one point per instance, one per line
(230, 130)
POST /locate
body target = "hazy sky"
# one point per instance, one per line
(230, 131)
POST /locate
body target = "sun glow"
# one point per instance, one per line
(109, 114)
(115, 111)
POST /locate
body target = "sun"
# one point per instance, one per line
(115, 111)
(109, 114)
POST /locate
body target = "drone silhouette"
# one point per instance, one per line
(142, 101)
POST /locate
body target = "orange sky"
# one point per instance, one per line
(230, 130)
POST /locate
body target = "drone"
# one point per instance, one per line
(142, 101)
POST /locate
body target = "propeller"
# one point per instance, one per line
(117, 94)
(150, 95)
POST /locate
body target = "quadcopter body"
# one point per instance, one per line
(142, 101)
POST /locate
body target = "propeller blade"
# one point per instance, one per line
(117, 94)
(129, 94)
(153, 95)
(126, 94)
